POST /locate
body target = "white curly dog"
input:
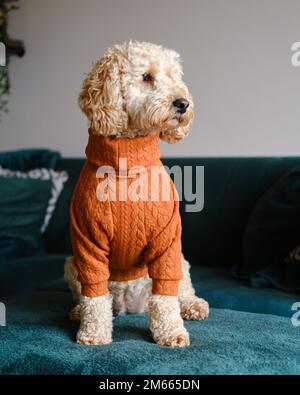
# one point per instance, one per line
(153, 98)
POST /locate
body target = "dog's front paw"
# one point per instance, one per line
(88, 337)
(175, 338)
(166, 323)
(95, 320)
(194, 308)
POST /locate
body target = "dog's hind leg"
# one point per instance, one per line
(191, 307)
(74, 285)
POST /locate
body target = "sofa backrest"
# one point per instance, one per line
(212, 236)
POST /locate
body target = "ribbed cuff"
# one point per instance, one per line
(165, 287)
(94, 290)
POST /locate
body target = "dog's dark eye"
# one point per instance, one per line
(147, 77)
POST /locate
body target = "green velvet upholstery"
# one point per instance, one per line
(249, 330)
(39, 339)
(23, 204)
(272, 232)
(24, 200)
(28, 159)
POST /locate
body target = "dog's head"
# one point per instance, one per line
(137, 88)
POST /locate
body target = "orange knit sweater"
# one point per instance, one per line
(121, 239)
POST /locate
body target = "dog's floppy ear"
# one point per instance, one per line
(101, 98)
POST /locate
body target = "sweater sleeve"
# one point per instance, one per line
(163, 257)
(90, 234)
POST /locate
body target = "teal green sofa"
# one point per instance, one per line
(249, 330)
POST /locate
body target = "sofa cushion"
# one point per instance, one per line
(222, 290)
(40, 339)
(28, 159)
(32, 273)
(272, 232)
(30, 173)
(57, 183)
(23, 206)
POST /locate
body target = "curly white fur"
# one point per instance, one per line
(118, 102)
(130, 296)
(191, 307)
(95, 320)
(135, 297)
(166, 323)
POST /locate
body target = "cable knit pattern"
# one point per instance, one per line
(123, 240)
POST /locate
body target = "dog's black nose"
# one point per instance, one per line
(181, 105)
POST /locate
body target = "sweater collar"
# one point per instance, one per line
(138, 151)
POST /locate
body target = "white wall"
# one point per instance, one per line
(237, 62)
